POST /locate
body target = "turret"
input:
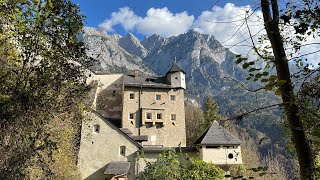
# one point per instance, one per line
(176, 77)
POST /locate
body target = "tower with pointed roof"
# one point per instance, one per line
(176, 76)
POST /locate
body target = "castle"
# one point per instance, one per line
(134, 113)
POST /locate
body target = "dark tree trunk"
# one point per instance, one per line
(298, 138)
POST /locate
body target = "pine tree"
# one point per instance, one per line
(211, 112)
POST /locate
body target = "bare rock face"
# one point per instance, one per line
(109, 55)
(132, 45)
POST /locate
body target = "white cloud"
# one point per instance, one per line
(157, 21)
(125, 16)
(228, 25)
(165, 23)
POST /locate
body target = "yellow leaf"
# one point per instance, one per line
(278, 92)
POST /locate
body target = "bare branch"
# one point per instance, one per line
(240, 116)
(252, 41)
(303, 55)
(243, 85)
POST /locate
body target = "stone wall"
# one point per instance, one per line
(164, 131)
(108, 98)
(97, 149)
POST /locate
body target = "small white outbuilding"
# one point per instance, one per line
(219, 146)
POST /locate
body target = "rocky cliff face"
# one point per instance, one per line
(113, 52)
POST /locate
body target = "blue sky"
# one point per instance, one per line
(97, 11)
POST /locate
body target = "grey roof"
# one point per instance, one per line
(136, 138)
(217, 135)
(145, 81)
(126, 130)
(117, 167)
(175, 68)
(155, 149)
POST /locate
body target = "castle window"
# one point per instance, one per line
(149, 116)
(131, 116)
(159, 125)
(148, 124)
(176, 77)
(96, 128)
(131, 96)
(158, 97)
(114, 93)
(173, 117)
(172, 97)
(159, 115)
(123, 150)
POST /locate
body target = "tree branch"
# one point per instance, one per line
(240, 116)
(242, 85)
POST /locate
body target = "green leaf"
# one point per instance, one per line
(240, 59)
(245, 65)
(264, 80)
(258, 76)
(265, 73)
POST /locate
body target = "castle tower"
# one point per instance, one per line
(154, 107)
(176, 76)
